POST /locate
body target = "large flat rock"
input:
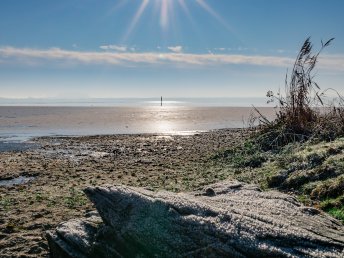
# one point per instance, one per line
(227, 219)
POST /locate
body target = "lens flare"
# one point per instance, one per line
(210, 10)
(164, 13)
(136, 18)
(166, 9)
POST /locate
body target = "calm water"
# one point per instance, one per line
(19, 123)
(136, 102)
(22, 119)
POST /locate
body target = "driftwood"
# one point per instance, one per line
(227, 219)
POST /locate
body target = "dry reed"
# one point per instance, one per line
(303, 113)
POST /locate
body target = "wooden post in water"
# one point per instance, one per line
(161, 101)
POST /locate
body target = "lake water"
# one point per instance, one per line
(22, 122)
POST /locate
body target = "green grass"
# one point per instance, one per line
(246, 155)
(301, 150)
(338, 213)
(313, 171)
(6, 203)
(75, 199)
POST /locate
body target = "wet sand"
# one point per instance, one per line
(62, 166)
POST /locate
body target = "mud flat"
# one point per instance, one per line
(61, 167)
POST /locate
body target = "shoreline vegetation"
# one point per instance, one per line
(300, 153)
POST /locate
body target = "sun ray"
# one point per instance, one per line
(210, 10)
(184, 7)
(136, 18)
(116, 8)
(187, 12)
(164, 13)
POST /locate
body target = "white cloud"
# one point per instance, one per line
(114, 47)
(332, 62)
(243, 49)
(176, 49)
(29, 56)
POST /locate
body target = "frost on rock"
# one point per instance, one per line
(227, 219)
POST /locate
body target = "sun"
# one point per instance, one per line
(166, 9)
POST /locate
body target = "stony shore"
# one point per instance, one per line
(62, 167)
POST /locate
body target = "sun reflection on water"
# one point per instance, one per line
(168, 120)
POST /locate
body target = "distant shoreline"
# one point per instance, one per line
(135, 102)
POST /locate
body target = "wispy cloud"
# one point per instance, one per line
(333, 62)
(176, 49)
(114, 47)
(36, 56)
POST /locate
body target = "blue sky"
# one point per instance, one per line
(174, 48)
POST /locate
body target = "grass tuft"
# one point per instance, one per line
(338, 213)
(301, 151)
(303, 113)
(75, 199)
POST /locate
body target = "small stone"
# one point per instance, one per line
(209, 192)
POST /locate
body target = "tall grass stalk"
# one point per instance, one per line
(303, 112)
